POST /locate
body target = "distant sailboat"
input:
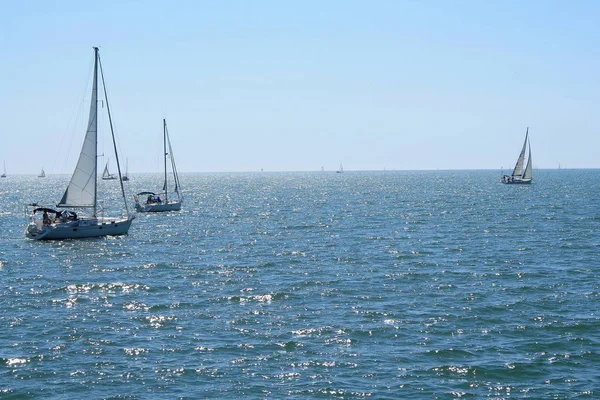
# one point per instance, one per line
(126, 176)
(107, 175)
(339, 171)
(81, 193)
(4, 173)
(152, 201)
(520, 176)
(42, 174)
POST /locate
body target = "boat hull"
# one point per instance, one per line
(82, 228)
(516, 181)
(158, 207)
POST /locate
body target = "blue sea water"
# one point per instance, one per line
(412, 285)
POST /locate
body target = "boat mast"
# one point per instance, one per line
(112, 132)
(165, 151)
(95, 122)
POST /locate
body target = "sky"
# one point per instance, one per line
(301, 85)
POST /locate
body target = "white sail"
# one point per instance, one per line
(81, 191)
(518, 171)
(42, 174)
(106, 174)
(528, 169)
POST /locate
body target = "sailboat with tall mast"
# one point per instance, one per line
(520, 175)
(82, 191)
(107, 175)
(4, 173)
(152, 202)
(126, 176)
(42, 173)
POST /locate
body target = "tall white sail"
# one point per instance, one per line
(529, 168)
(81, 191)
(518, 171)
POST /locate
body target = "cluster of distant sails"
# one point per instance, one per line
(81, 193)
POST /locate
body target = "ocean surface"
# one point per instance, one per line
(384, 285)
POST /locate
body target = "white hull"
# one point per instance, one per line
(515, 181)
(82, 228)
(173, 206)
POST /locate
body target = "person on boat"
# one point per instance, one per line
(158, 199)
(46, 218)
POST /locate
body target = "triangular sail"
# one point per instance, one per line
(518, 171)
(81, 191)
(529, 168)
(106, 174)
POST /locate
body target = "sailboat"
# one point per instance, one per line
(339, 171)
(107, 175)
(81, 193)
(520, 176)
(42, 174)
(152, 202)
(4, 173)
(126, 176)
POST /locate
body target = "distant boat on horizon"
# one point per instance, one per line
(42, 174)
(341, 170)
(4, 173)
(126, 176)
(107, 175)
(520, 176)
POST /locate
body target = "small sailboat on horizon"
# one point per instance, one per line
(4, 173)
(520, 175)
(126, 176)
(42, 174)
(153, 202)
(341, 170)
(82, 193)
(107, 175)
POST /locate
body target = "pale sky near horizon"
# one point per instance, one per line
(300, 85)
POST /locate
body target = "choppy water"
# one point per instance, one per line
(312, 285)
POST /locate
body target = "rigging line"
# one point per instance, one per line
(113, 135)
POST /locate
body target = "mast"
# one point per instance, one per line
(165, 151)
(112, 132)
(94, 105)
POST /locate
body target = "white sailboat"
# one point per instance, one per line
(152, 202)
(81, 193)
(4, 173)
(126, 176)
(42, 174)
(107, 175)
(339, 171)
(520, 175)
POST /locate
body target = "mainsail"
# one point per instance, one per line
(528, 169)
(106, 174)
(81, 191)
(518, 171)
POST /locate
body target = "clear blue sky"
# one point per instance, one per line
(296, 85)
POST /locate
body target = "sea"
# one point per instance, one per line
(269, 285)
